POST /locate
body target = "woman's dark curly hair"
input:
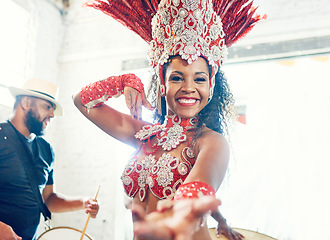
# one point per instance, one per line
(216, 115)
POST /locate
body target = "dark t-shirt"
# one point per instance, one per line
(18, 206)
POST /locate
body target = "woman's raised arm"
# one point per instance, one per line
(90, 102)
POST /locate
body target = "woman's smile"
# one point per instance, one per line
(187, 102)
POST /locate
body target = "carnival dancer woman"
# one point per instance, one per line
(185, 154)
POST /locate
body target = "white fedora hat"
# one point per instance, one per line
(41, 89)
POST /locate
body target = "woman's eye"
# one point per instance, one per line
(200, 80)
(176, 78)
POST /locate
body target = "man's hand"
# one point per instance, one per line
(91, 206)
(7, 233)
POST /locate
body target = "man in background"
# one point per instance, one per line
(21, 140)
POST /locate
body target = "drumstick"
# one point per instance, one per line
(89, 216)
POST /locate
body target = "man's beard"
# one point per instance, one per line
(33, 123)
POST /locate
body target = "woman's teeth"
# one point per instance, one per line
(184, 100)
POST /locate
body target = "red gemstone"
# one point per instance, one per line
(190, 22)
(167, 192)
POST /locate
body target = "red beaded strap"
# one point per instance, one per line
(194, 190)
(96, 93)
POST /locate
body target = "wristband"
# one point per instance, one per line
(96, 93)
(194, 190)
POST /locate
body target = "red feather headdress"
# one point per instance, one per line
(238, 16)
(189, 28)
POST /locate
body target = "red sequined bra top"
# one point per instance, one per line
(163, 175)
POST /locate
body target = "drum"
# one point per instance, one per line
(249, 235)
(63, 233)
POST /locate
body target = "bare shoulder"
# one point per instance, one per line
(211, 139)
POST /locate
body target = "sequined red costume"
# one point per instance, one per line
(162, 175)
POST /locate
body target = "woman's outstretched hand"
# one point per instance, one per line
(178, 222)
(135, 100)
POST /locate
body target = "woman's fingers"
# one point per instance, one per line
(128, 97)
(237, 235)
(231, 234)
(150, 226)
(205, 204)
(177, 223)
(132, 101)
(146, 103)
(138, 106)
(135, 100)
(149, 230)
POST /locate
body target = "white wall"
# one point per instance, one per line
(31, 39)
(278, 181)
(287, 20)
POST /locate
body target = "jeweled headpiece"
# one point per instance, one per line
(189, 28)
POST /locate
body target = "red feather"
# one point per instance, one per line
(136, 15)
(238, 16)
